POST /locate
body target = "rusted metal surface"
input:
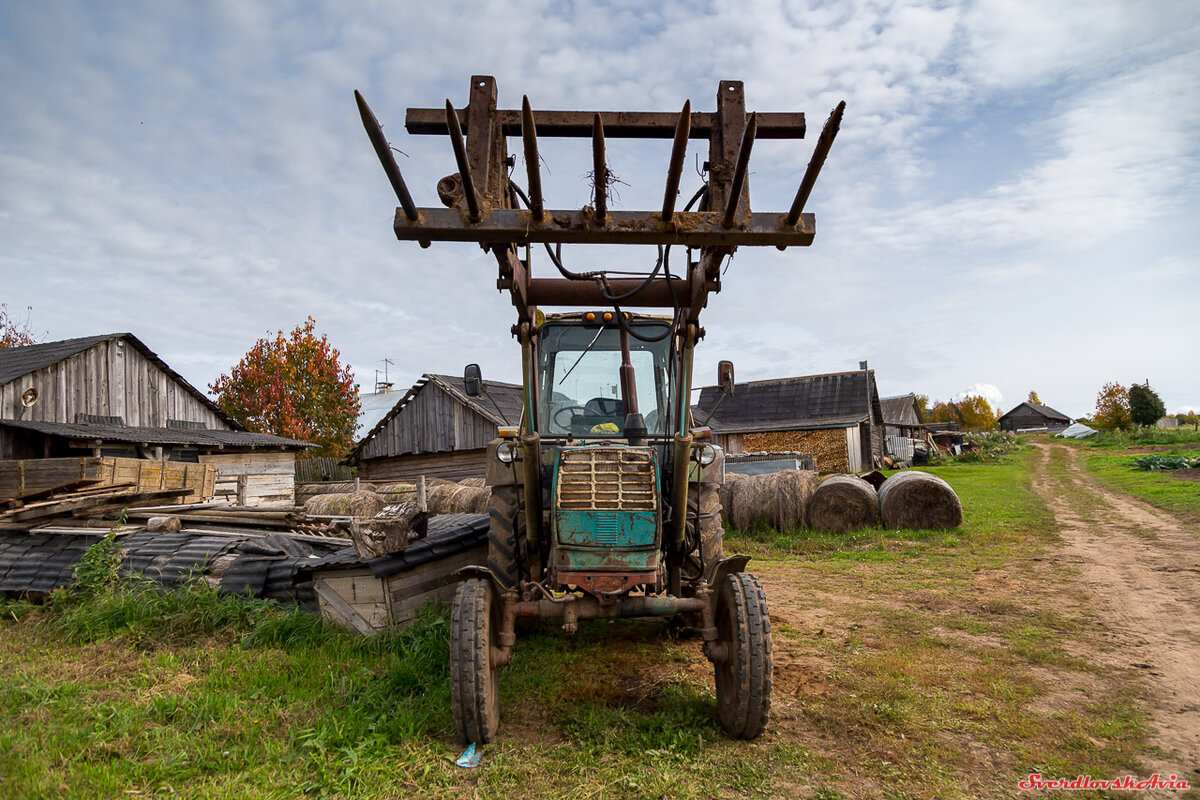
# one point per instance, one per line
(694, 229)
(617, 124)
(533, 165)
(824, 142)
(607, 583)
(384, 151)
(464, 166)
(739, 174)
(557, 292)
(599, 171)
(678, 154)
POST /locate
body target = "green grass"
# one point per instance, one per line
(1139, 437)
(1163, 489)
(940, 645)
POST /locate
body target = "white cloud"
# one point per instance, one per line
(987, 391)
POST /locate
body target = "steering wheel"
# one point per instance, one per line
(572, 409)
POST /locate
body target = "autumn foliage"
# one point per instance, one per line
(972, 413)
(1112, 408)
(294, 386)
(15, 332)
(1033, 398)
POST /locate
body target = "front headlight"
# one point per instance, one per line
(708, 454)
(506, 453)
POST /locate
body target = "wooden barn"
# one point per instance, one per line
(836, 417)
(437, 431)
(902, 427)
(1031, 416)
(110, 395)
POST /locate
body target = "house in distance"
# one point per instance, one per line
(110, 395)
(1033, 417)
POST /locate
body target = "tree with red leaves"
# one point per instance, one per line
(293, 386)
(16, 332)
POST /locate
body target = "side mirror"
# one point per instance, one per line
(473, 380)
(725, 377)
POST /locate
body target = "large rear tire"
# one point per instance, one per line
(704, 512)
(506, 536)
(474, 627)
(744, 677)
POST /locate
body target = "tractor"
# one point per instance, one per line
(604, 497)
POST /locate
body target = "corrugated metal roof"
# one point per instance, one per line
(808, 402)
(180, 436)
(18, 361)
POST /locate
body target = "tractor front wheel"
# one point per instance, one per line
(743, 674)
(474, 629)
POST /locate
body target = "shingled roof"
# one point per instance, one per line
(894, 408)
(1045, 411)
(834, 400)
(18, 361)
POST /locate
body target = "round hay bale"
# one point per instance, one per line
(355, 504)
(843, 503)
(477, 483)
(451, 498)
(778, 499)
(725, 494)
(311, 489)
(919, 500)
(397, 492)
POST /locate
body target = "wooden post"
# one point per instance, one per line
(421, 493)
(241, 489)
(356, 483)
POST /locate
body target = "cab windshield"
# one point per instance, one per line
(580, 380)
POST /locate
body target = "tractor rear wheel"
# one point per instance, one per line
(704, 512)
(506, 536)
(743, 677)
(474, 628)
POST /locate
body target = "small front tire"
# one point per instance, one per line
(743, 676)
(474, 628)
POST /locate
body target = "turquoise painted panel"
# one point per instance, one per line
(607, 528)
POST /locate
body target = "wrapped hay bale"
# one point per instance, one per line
(919, 500)
(843, 503)
(355, 504)
(451, 498)
(778, 499)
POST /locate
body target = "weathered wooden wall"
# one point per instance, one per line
(451, 466)
(269, 476)
(835, 449)
(112, 379)
(431, 422)
(358, 601)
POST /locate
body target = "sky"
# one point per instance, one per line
(1011, 203)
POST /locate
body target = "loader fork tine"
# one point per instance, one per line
(824, 142)
(599, 169)
(384, 151)
(464, 166)
(533, 167)
(739, 172)
(678, 153)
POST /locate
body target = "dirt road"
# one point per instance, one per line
(1143, 568)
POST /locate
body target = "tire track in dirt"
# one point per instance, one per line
(1143, 568)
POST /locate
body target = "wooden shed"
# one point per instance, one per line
(902, 428)
(1031, 416)
(837, 417)
(110, 395)
(437, 431)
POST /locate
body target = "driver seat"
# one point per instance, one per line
(603, 407)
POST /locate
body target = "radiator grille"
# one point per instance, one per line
(612, 479)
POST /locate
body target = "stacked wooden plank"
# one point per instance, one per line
(21, 478)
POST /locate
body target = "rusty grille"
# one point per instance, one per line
(606, 479)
